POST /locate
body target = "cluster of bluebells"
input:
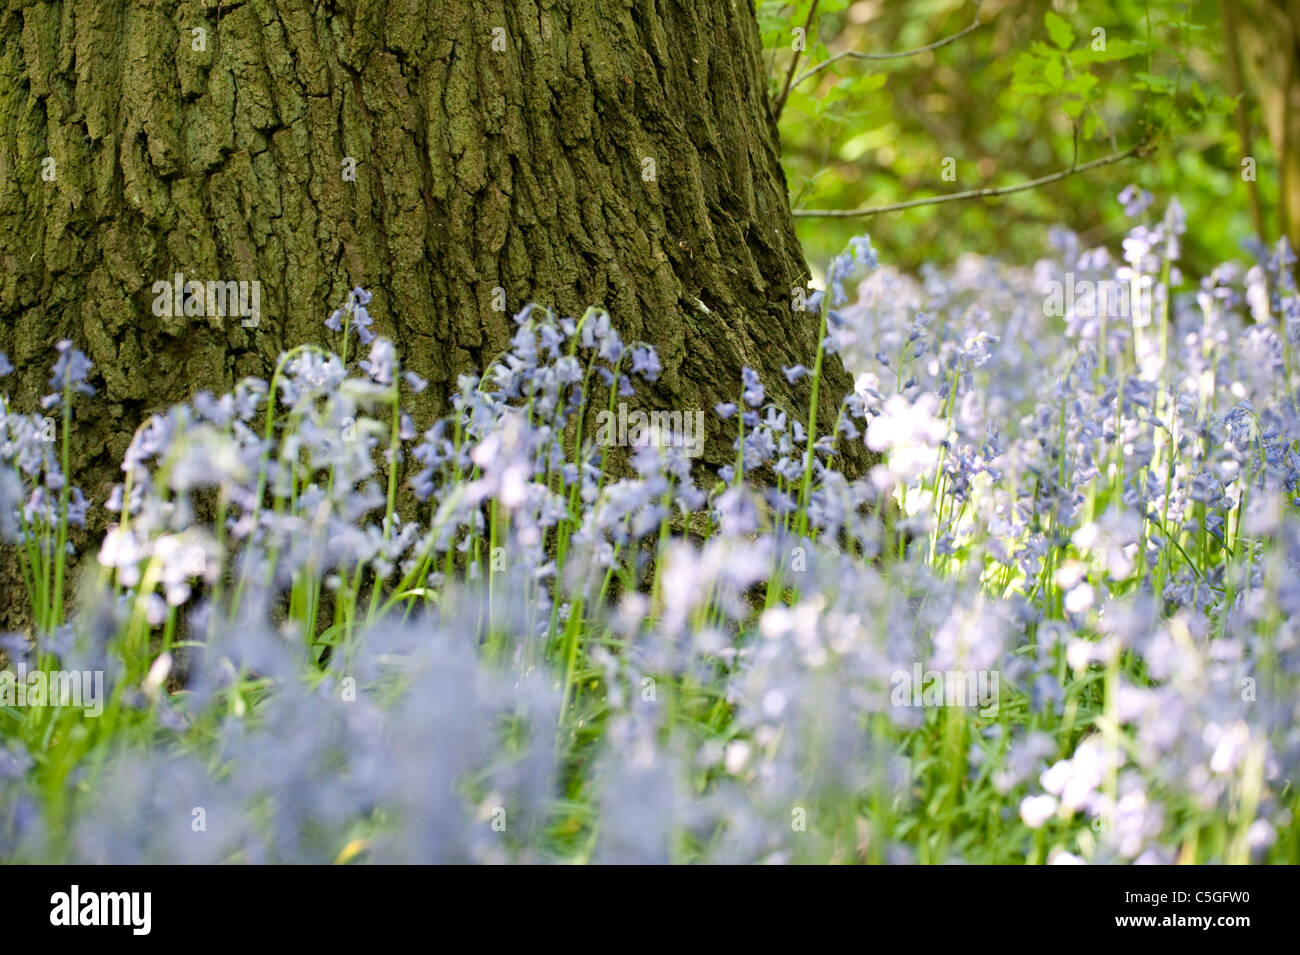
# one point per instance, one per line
(34, 478)
(330, 634)
(38, 502)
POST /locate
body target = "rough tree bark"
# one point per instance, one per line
(525, 167)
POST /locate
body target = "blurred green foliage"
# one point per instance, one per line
(1010, 101)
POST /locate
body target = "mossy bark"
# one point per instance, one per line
(570, 152)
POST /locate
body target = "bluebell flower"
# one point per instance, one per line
(362, 321)
(1135, 200)
(77, 507)
(69, 374)
(382, 363)
(645, 362)
(753, 393)
(863, 252)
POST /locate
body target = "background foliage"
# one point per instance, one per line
(1005, 101)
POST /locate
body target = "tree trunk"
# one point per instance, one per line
(570, 153)
(1270, 33)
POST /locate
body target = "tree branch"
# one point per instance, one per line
(814, 70)
(1140, 150)
(794, 62)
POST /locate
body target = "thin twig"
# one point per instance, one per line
(794, 61)
(1142, 149)
(814, 70)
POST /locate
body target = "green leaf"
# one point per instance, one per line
(1221, 105)
(862, 84)
(1059, 29)
(1027, 75)
(1054, 74)
(1118, 49)
(1153, 82)
(1081, 84)
(425, 593)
